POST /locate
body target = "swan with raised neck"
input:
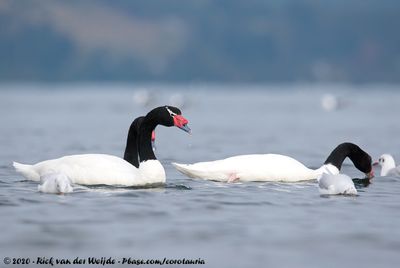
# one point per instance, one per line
(139, 166)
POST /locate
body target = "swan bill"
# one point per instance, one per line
(181, 122)
(186, 129)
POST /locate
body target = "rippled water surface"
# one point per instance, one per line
(226, 225)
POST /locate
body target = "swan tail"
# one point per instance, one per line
(27, 171)
(186, 169)
(183, 168)
(204, 170)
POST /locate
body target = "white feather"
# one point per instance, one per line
(55, 183)
(394, 172)
(91, 169)
(333, 184)
(256, 167)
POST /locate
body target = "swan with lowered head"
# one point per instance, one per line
(275, 167)
(139, 166)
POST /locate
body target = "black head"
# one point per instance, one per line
(361, 160)
(168, 116)
(139, 143)
(363, 163)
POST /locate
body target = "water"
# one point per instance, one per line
(226, 225)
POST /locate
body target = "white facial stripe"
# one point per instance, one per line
(171, 113)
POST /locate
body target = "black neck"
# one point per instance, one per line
(144, 142)
(131, 150)
(147, 126)
(138, 145)
(339, 154)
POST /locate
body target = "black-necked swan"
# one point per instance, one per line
(275, 167)
(388, 165)
(91, 169)
(55, 183)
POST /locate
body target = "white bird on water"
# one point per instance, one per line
(333, 184)
(275, 167)
(388, 166)
(55, 183)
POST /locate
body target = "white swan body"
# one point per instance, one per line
(255, 167)
(55, 183)
(91, 169)
(333, 184)
(388, 166)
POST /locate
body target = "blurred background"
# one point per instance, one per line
(294, 77)
(191, 41)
